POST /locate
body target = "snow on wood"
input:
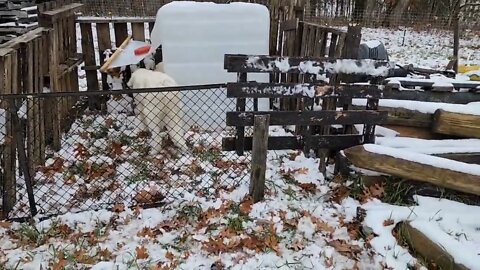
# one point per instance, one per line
(404, 142)
(410, 165)
(448, 224)
(458, 124)
(424, 107)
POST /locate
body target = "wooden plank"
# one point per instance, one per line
(259, 157)
(444, 97)
(56, 112)
(433, 254)
(369, 129)
(8, 66)
(306, 118)
(240, 107)
(299, 65)
(407, 169)
(427, 84)
(138, 31)
(289, 25)
(458, 124)
(473, 158)
(60, 13)
(334, 142)
(333, 45)
(278, 90)
(40, 48)
(340, 45)
(132, 20)
(104, 43)
(404, 117)
(121, 33)
(88, 51)
(414, 132)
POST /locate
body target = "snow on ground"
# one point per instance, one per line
(298, 226)
(451, 225)
(430, 48)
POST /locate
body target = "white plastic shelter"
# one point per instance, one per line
(195, 36)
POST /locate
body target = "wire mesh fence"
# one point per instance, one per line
(138, 147)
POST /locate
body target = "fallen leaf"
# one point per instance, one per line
(345, 249)
(105, 254)
(82, 257)
(388, 222)
(297, 246)
(5, 224)
(218, 265)
(308, 187)
(246, 206)
(148, 232)
(169, 255)
(145, 197)
(377, 190)
(119, 207)
(142, 252)
(339, 194)
(109, 122)
(60, 263)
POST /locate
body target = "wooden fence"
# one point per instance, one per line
(45, 58)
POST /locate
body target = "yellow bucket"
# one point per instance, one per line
(465, 68)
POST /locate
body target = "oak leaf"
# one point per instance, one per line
(388, 222)
(142, 252)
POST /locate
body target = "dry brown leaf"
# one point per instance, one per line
(145, 197)
(5, 224)
(82, 257)
(308, 187)
(105, 254)
(377, 190)
(60, 263)
(109, 122)
(388, 222)
(297, 245)
(338, 194)
(218, 265)
(148, 232)
(118, 207)
(302, 171)
(115, 149)
(142, 252)
(246, 206)
(169, 255)
(344, 248)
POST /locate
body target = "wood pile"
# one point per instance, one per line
(16, 18)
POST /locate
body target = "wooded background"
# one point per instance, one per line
(371, 13)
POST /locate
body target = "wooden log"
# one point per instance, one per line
(403, 117)
(306, 118)
(414, 132)
(332, 142)
(259, 157)
(427, 249)
(447, 178)
(458, 124)
(319, 89)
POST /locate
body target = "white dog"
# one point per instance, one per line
(159, 109)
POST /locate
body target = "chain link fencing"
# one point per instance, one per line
(137, 147)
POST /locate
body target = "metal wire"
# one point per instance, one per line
(127, 152)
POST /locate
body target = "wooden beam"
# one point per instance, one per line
(455, 180)
(414, 132)
(307, 118)
(303, 65)
(458, 124)
(86, 19)
(334, 142)
(259, 157)
(278, 90)
(427, 249)
(472, 158)
(64, 11)
(403, 117)
(445, 97)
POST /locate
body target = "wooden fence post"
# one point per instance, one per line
(456, 42)
(259, 157)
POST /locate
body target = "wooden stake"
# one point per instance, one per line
(458, 124)
(259, 157)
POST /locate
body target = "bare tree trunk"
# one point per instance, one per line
(398, 11)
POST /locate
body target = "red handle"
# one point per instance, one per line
(142, 50)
